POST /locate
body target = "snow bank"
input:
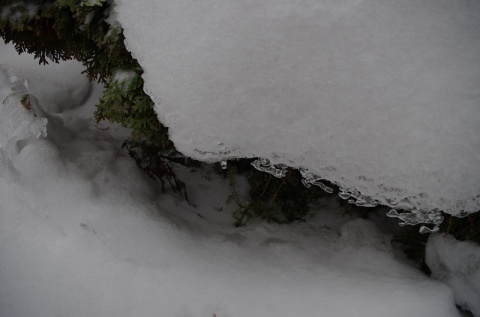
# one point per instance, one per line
(456, 263)
(379, 97)
(84, 233)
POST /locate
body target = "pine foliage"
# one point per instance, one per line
(125, 102)
(58, 30)
(278, 200)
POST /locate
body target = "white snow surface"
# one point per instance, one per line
(381, 97)
(58, 87)
(456, 263)
(83, 232)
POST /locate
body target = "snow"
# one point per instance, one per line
(123, 76)
(456, 263)
(29, 9)
(17, 122)
(83, 232)
(379, 97)
(58, 87)
(92, 3)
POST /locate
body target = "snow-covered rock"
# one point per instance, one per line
(380, 97)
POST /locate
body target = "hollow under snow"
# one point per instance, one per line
(382, 97)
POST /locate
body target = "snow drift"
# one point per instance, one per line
(457, 263)
(380, 97)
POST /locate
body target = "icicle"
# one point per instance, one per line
(223, 164)
(425, 229)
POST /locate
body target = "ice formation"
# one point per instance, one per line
(381, 98)
(266, 166)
